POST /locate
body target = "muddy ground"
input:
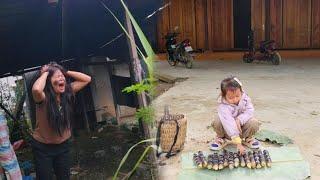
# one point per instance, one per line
(286, 100)
(97, 155)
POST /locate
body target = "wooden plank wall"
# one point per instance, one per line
(188, 22)
(296, 23)
(258, 20)
(201, 27)
(209, 23)
(315, 38)
(276, 22)
(220, 21)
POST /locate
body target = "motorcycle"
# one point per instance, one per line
(266, 52)
(179, 52)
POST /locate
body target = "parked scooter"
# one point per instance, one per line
(266, 52)
(179, 52)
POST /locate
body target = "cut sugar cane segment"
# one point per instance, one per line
(231, 162)
(267, 157)
(246, 158)
(225, 157)
(262, 158)
(197, 161)
(236, 159)
(221, 162)
(215, 162)
(210, 161)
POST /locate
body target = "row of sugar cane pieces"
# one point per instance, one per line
(232, 160)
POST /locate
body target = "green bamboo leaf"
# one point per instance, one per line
(123, 28)
(125, 157)
(139, 161)
(145, 43)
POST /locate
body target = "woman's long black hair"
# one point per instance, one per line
(61, 118)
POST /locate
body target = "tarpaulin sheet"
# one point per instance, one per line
(287, 163)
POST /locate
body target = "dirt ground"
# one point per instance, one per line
(286, 100)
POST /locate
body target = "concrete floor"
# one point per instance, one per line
(286, 100)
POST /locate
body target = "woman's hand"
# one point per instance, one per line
(81, 80)
(241, 149)
(44, 69)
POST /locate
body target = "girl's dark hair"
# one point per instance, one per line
(59, 120)
(230, 84)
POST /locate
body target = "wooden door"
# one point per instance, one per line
(315, 38)
(163, 26)
(275, 18)
(201, 15)
(296, 23)
(258, 20)
(220, 24)
(175, 15)
(188, 29)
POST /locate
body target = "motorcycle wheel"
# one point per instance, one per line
(276, 58)
(247, 59)
(189, 60)
(171, 61)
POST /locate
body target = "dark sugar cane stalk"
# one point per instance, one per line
(246, 159)
(236, 159)
(197, 161)
(231, 162)
(242, 161)
(267, 157)
(215, 162)
(210, 161)
(225, 157)
(257, 160)
(203, 159)
(262, 158)
(221, 162)
(253, 163)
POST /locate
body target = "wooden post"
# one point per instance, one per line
(136, 72)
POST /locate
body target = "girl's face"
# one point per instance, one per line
(58, 82)
(233, 97)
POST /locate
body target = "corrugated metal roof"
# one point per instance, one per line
(31, 31)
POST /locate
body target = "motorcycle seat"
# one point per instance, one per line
(266, 42)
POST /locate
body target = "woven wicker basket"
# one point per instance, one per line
(168, 131)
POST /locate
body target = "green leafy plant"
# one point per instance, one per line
(147, 86)
(139, 88)
(146, 114)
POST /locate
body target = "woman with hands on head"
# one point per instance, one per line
(54, 98)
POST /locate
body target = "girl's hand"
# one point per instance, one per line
(241, 149)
